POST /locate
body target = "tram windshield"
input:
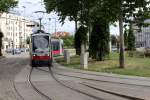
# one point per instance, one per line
(40, 44)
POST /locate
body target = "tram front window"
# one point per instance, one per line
(40, 44)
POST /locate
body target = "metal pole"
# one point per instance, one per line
(13, 39)
(55, 25)
(24, 27)
(24, 33)
(6, 31)
(40, 22)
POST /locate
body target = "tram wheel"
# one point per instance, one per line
(50, 63)
(33, 64)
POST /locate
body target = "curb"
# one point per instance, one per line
(122, 77)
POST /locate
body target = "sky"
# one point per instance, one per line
(28, 7)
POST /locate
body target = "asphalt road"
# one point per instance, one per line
(15, 84)
(9, 68)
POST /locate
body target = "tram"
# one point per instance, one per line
(57, 46)
(40, 49)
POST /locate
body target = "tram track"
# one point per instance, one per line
(15, 89)
(102, 90)
(90, 79)
(32, 86)
(76, 90)
(35, 88)
(41, 93)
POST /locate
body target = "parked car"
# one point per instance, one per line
(27, 49)
(16, 51)
(114, 49)
(23, 49)
(8, 50)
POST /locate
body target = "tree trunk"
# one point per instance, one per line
(76, 25)
(76, 28)
(121, 58)
(0, 40)
(84, 57)
(0, 46)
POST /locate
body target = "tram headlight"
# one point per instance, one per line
(47, 55)
(34, 55)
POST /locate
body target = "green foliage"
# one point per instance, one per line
(80, 37)
(99, 41)
(68, 41)
(65, 8)
(125, 37)
(5, 5)
(107, 11)
(131, 40)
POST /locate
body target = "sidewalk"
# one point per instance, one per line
(120, 78)
(132, 86)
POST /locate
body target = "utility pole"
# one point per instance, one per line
(13, 38)
(55, 25)
(24, 7)
(24, 33)
(40, 19)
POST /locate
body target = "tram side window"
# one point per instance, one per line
(55, 46)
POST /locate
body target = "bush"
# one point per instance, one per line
(147, 52)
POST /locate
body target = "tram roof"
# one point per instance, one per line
(40, 32)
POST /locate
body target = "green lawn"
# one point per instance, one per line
(135, 66)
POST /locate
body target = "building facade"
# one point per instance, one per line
(15, 29)
(142, 38)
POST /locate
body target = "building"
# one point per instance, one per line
(60, 34)
(142, 38)
(15, 29)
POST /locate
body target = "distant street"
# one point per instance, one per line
(18, 81)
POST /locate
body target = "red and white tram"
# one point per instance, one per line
(40, 49)
(57, 45)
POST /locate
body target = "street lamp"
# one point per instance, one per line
(40, 14)
(13, 42)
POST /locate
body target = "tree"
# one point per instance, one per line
(125, 37)
(68, 41)
(80, 37)
(5, 5)
(99, 41)
(108, 11)
(126, 12)
(77, 10)
(131, 40)
(61, 7)
(1, 36)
